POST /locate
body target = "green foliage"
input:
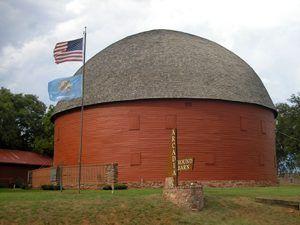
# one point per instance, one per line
(116, 187)
(288, 135)
(18, 183)
(51, 187)
(24, 123)
(21, 117)
(43, 143)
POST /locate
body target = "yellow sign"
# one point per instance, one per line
(185, 164)
(174, 155)
(178, 165)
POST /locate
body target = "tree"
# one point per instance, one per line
(288, 135)
(43, 143)
(10, 134)
(21, 120)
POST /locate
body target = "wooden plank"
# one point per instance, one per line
(208, 130)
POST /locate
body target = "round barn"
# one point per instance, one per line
(139, 88)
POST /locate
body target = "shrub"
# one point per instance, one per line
(116, 186)
(106, 187)
(26, 187)
(50, 187)
(18, 183)
(121, 186)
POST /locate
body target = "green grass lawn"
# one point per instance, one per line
(222, 206)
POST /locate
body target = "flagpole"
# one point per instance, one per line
(81, 113)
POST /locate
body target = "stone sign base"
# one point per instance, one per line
(190, 197)
(204, 183)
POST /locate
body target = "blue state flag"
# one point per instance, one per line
(65, 88)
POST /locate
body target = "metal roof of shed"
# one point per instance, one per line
(24, 157)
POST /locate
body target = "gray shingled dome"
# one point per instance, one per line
(168, 64)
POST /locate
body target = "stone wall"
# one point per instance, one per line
(111, 173)
(212, 183)
(189, 197)
(232, 183)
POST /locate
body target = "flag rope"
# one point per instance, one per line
(81, 112)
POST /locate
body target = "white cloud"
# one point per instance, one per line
(264, 33)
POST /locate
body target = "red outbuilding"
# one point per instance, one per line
(15, 164)
(139, 88)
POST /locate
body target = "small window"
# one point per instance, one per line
(135, 159)
(171, 121)
(210, 159)
(261, 159)
(263, 126)
(134, 122)
(188, 104)
(243, 123)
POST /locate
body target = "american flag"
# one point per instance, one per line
(68, 51)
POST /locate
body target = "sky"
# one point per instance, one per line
(266, 34)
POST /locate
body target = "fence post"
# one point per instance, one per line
(112, 178)
(29, 178)
(116, 172)
(60, 179)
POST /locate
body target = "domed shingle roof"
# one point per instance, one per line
(168, 64)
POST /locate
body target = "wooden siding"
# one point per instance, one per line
(228, 140)
(9, 173)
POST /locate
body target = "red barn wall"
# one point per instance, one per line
(229, 141)
(9, 173)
